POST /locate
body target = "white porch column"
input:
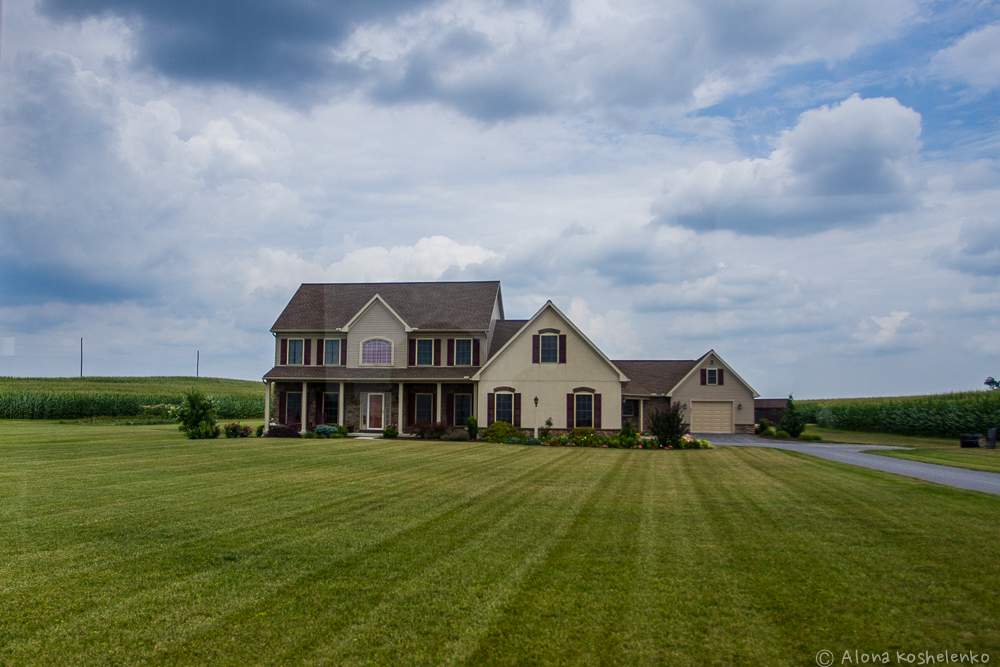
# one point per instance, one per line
(305, 404)
(399, 425)
(438, 416)
(340, 405)
(642, 402)
(267, 404)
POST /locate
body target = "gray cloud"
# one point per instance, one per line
(840, 165)
(978, 250)
(495, 61)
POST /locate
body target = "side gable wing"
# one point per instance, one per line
(721, 362)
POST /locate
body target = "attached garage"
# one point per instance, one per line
(712, 416)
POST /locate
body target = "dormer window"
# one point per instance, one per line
(712, 376)
(376, 352)
(425, 352)
(296, 347)
(549, 348)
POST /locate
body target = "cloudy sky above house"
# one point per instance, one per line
(810, 188)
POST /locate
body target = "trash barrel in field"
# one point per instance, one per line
(969, 439)
(991, 438)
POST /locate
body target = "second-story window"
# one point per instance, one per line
(295, 351)
(425, 352)
(331, 352)
(376, 352)
(712, 376)
(463, 351)
(549, 344)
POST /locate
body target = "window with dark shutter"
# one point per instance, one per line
(437, 351)
(562, 348)
(451, 351)
(284, 351)
(475, 352)
(703, 376)
(490, 410)
(517, 410)
(549, 349)
(534, 348)
(569, 411)
(597, 411)
(722, 377)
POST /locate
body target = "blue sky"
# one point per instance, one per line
(809, 188)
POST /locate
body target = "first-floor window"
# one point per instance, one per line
(331, 352)
(376, 352)
(463, 352)
(628, 407)
(293, 407)
(712, 376)
(331, 407)
(504, 411)
(584, 411)
(463, 408)
(295, 348)
(424, 408)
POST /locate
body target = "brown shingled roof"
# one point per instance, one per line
(456, 306)
(503, 331)
(653, 376)
(338, 373)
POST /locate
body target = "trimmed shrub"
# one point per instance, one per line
(782, 434)
(237, 430)
(627, 437)
(792, 421)
(390, 432)
(430, 430)
(472, 427)
(456, 435)
(197, 416)
(546, 430)
(281, 431)
(668, 425)
(810, 437)
(762, 426)
(260, 430)
(500, 431)
(330, 431)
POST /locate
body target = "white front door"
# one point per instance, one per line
(376, 404)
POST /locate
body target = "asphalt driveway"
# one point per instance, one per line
(961, 478)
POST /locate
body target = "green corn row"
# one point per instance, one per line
(938, 415)
(72, 405)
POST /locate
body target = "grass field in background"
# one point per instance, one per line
(943, 451)
(835, 435)
(975, 459)
(128, 544)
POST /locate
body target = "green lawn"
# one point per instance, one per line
(943, 451)
(128, 544)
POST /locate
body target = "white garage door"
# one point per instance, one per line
(711, 417)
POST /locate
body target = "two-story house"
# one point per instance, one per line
(366, 355)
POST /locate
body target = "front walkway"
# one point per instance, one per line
(961, 478)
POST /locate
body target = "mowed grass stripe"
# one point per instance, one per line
(263, 532)
(364, 577)
(186, 571)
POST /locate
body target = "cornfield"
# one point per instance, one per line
(59, 398)
(935, 415)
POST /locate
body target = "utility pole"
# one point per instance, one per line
(81, 356)
(197, 363)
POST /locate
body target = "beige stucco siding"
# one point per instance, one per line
(551, 382)
(376, 322)
(733, 390)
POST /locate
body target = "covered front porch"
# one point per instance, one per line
(368, 406)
